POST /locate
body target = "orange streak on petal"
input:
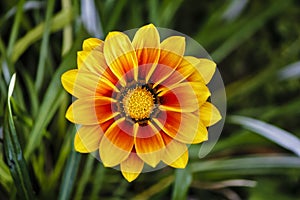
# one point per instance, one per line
(90, 111)
(185, 69)
(146, 43)
(171, 54)
(120, 55)
(172, 51)
(94, 62)
(160, 73)
(183, 127)
(84, 84)
(117, 143)
(131, 167)
(148, 144)
(148, 59)
(181, 98)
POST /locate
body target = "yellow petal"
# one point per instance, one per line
(132, 167)
(175, 154)
(92, 44)
(87, 138)
(91, 61)
(117, 143)
(184, 70)
(205, 70)
(83, 84)
(120, 56)
(68, 81)
(148, 144)
(90, 111)
(171, 54)
(172, 51)
(183, 127)
(209, 114)
(182, 161)
(146, 43)
(202, 92)
(201, 134)
(181, 98)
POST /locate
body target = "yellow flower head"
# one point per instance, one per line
(140, 101)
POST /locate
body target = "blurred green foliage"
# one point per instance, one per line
(252, 42)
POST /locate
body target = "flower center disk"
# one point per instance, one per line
(138, 103)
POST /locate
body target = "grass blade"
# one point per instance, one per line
(183, 180)
(154, 189)
(247, 163)
(13, 151)
(273, 133)
(67, 32)
(5, 176)
(247, 30)
(84, 177)
(70, 174)
(60, 20)
(44, 46)
(98, 182)
(53, 93)
(15, 28)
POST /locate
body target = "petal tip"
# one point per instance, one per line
(150, 26)
(112, 34)
(130, 176)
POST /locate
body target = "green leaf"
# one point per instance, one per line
(84, 177)
(15, 28)
(98, 181)
(245, 31)
(273, 133)
(13, 151)
(183, 180)
(70, 174)
(44, 46)
(5, 176)
(60, 20)
(248, 164)
(52, 98)
(116, 13)
(154, 189)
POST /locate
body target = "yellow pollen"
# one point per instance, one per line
(138, 103)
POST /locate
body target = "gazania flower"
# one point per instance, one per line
(140, 101)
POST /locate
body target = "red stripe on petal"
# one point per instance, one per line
(117, 143)
(184, 127)
(120, 56)
(148, 144)
(91, 111)
(181, 98)
(146, 43)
